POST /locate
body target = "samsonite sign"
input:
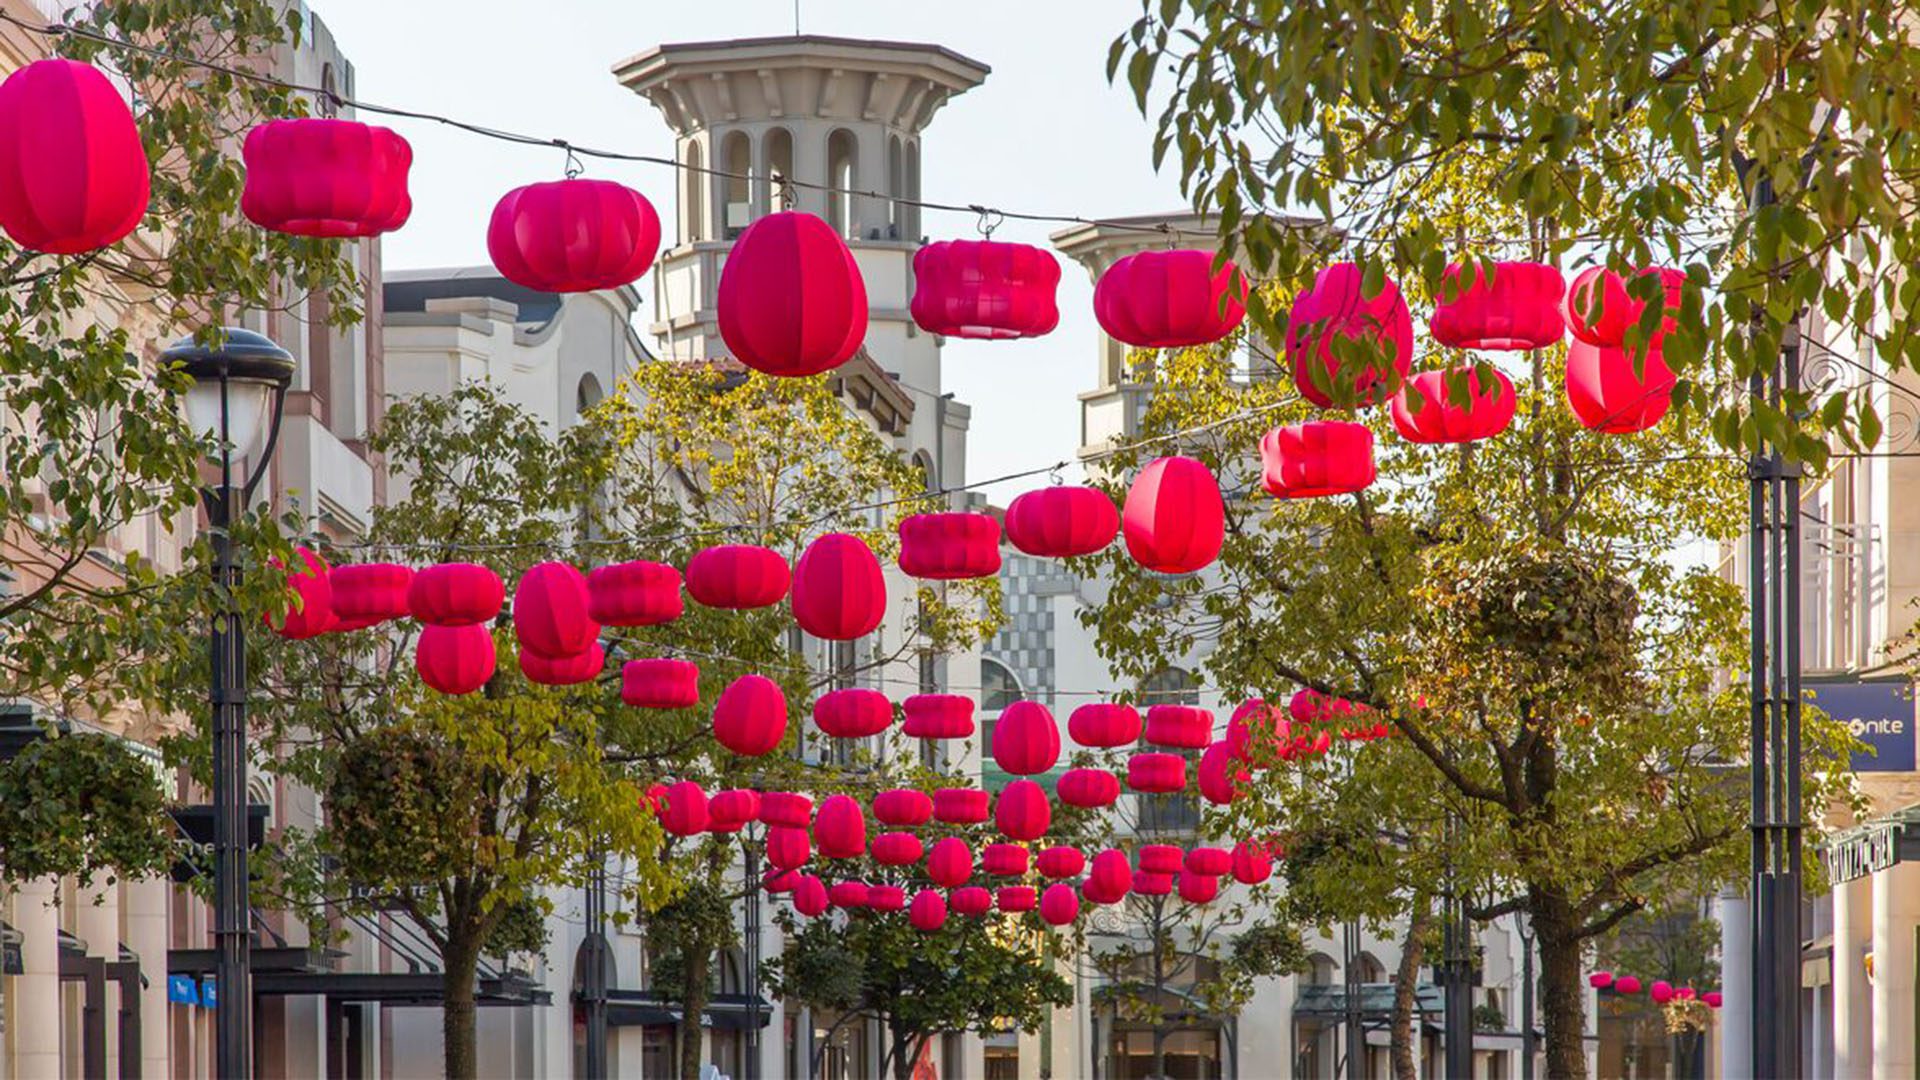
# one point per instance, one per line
(1879, 713)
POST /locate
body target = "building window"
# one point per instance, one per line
(693, 203)
(587, 394)
(896, 187)
(737, 162)
(841, 178)
(1178, 812)
(778, 146)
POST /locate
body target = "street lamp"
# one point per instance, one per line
(239, 387)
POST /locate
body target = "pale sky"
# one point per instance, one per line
(1044, 133)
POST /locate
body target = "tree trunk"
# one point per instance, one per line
(1406, 987)
(1562, 993)
(693, 1004)
(462, 960)
(905, 1050)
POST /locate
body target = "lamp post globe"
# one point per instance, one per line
(239, 388)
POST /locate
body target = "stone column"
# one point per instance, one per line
(96, 921)
(36, 1043)
(1852, 995)
(1896, 913)
(1736, 975)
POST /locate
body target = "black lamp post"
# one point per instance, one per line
(239, 388)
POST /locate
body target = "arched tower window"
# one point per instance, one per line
(896, 187)
(736, 160)
(911, 215)
(841, 176)
(778, 146)
(693, 201)
(329, 90)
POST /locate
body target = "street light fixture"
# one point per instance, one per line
(239, 389)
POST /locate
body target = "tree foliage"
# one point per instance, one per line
(82, 805)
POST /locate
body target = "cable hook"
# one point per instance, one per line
(573, 167)
(989, 220)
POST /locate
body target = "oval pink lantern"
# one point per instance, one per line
(1256, 722)
(902, 806)
(76, 174)
(1061, 862)
(1335, 316)
(786, 808)
(1059, 905)
(949, 862)
(573, 235)
(750, 718)
(1219, 775)
(1713, 998)
(660, 683)
(1661, 992)
(1627, 984)
(849, 895)
(1600, 307)
(733, 809)
(791, 300)
(1157, 774)
(1174, 520)
(788, 847)
(886, 897)
(1440, 419)
(1252, 862)
(1022, 812)
(1169, 299)
(319, 176)
(937, 716)
(1111, 871)
(685, 811)
(1161, 858)
(984, 289)
(840, 828)
(928, 912)
(1517, 308)
(1062, 522)
(312, 586)
(1607, 394)
(455, 659)
(960, 806)
(550, 610)
(1182, 727)
(949, 547)
(1014, 899)
(637, 593)
(1600, 980)
(853, 713)
(738, 577)
(810, 896)
(897, 849)
(1197, 888)
(1087, 788)
(367, 593)
(1316, 459)
(455, 594)
(1149, 883)
(839, 591)
(1004, 860)
(1026, 740)
(563, 670)
(1104, 725)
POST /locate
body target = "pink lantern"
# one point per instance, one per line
(788, 847)
(949, 862)
(312, 586)
(984, 289)
(1161, 858)
(1183, 727)
(1208, 861)
(902, 806)
(1256, 721)
(786, 808)
(1252, 862)
(886, 897)
(1023, 812)
(550, 611)
(455, 594)
(810, 896)
(897, 849)
(1519, 308)
(1174, 520)
(1016, 898)
(1026, 740)
(563, 670)
(635, 593)
(1169, 299)
(455, 659)
(369, 593)
(928, 912)
(738, 577)
(1104, 724)
(949, 547)
(685, 813)
(778, 881)
(840, 828)
(853, 713)
(848, 895)
(1600, 309)
(1061, 522)
(1088, 788)
(1439, 419)
(973, 900)
(1335, 310)
(1713, 999)
(1219, 775)
(1607, 394)
(659, 683)
(750, 718)
(1148, 883)
(791, 299)
(1061, 862)
(76, 173)
(960, 806)
(1316, 459)
(1157, 774)
(839, 592)
(573, 235)
(318, 176)
(1004, 860)
(1198, 888)
(1661, 992)
(937, 716)
(1600, 980)
(1059, 905)
(733, 809)
(1627, 984)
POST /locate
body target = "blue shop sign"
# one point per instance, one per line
(182, 990)
(208, 997)
(1879, 712)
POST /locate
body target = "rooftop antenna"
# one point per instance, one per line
(796, 18)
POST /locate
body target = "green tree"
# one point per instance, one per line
(81, 805)
(1551, 672)
(1763, 146)
(93, 442)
